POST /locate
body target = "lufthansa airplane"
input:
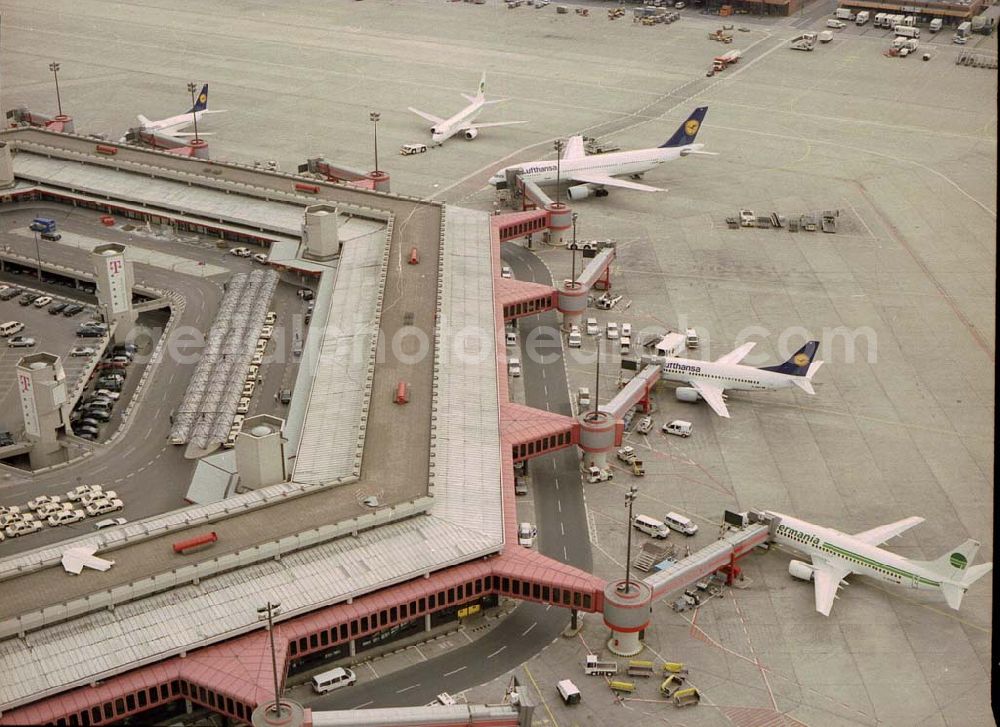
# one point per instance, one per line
(595, 172)
(173, 125)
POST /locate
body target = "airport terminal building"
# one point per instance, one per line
(393, 512)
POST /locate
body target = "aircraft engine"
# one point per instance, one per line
(471, 134)
(686, 393)
(580, 191)
(800, 570)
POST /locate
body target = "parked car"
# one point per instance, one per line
(42, 500)
(96, 416)
(82, 351)
(285, 396)
(260, 258)
(80, 490)
(86, 429)
(92, 497)
(22, 527)
(90, 332)
(21, 342)
(10, 293)
(88, 435)
(109, 523)
(72, 309)
(108, 394)
(42, 301)
(57, 308)
(520, 485)
(51, 236)
(66, 517)
(99, 507)
(612, 331)
(108, 383)
(241, 252)
(29, 298)
(271, 318)
(526, 533)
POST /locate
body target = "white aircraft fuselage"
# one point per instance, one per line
(725, 376)
(619, 163)
(174, 123)
(452, 125)
(852, 554)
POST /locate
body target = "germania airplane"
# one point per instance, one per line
(465, 120)
(708, 380)
(836, 555)
(595, 172)
(172, 126)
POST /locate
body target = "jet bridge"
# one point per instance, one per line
(602, 430)
(573, 293)
(23, 117)
(626, 610)
(530, 196)
(164, 142)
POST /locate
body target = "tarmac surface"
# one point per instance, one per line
(902, 425)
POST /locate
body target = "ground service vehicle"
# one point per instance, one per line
(333, 679)
(520, 485)
(936, 25)
(844, 14)
(597, 475)
(640, 668)
(862, 17)
(627, 454)
(583, 397)
(826, 36)
(612, 331)
(43, 224)
(906, 31)
(679, 427)
(592, 328)
(676, 521)
(836, 24)
(407, 149)
(526, 533)
(686, 697)
(575, 340)
(651, 526)
(645, 425)
(671, 685)
(622, 686)
(568, 691)
(241, 252)
(514, 367)
(592, 666)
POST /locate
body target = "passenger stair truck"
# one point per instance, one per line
(592, 666)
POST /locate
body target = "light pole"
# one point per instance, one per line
(270, 610)
(630, 496)
(194, 114)
(54, 67)
(374, 116)
(559, 144)
(38, 257)
(573, 274)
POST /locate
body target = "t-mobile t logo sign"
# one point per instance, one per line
(115, 266)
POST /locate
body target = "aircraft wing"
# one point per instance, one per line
(606, 181)
(879, 535)
(430, 117)
(480, 125)
(574, 148)
(827, 579)
(712, 395)
(736, 355)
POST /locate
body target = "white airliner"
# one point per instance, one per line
(836, 555)
(172, 126)
(595, 172)
(465, 120)
(708, 380)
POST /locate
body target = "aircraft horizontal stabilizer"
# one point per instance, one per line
(804, 384)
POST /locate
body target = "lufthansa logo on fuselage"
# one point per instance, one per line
(674, 366)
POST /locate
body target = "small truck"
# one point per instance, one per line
(592, 666)
(598, 475)
(627, 454)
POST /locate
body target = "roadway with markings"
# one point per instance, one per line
(562, 535)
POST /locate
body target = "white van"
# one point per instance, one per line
(626, 330)
(681, 524)
(511, 338)
(650, 526)
(333, 679)
(691, 338)
(575, 339)
(679, 427)
(514, 367)
(10, 328)
(568, 691)
(625, 345)
(407, 149)
(592, 327)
